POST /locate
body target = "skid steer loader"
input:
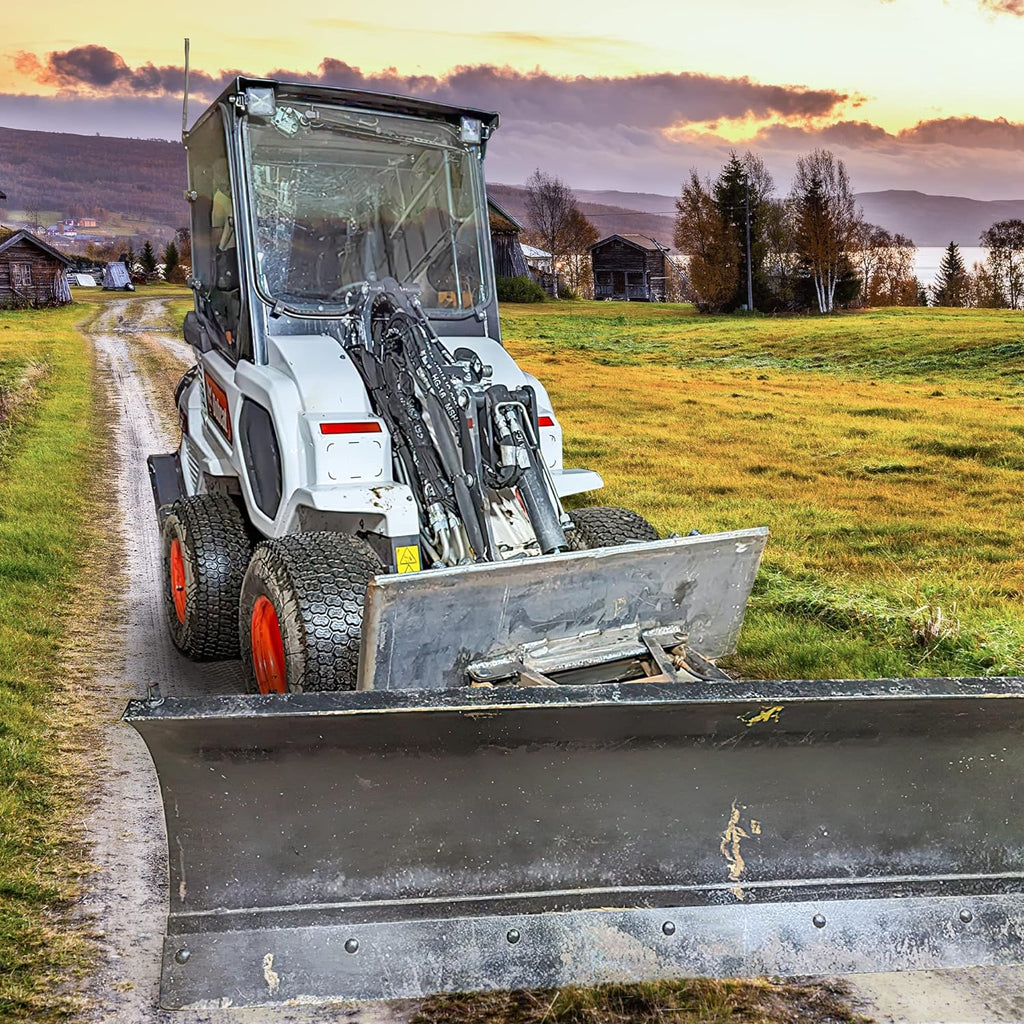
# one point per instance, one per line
(489, 746)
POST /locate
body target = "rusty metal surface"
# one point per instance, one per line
(780, 827)
(423, 630)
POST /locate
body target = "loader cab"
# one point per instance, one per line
(301, 193)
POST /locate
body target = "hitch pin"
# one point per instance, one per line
(154, 698)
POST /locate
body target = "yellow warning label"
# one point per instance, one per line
(408, 558)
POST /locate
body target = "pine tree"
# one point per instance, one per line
(951, 284)
(171, 260)
(147, 258)
(743, 187)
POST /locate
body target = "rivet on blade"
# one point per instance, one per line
(669, 928)
(818, 920)
(513, 936)
(182, 955)
(352, 946)
(966, 916)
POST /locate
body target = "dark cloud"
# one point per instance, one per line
(967, 133)
(97, 70)
(653, 101)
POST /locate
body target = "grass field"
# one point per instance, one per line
(884, 450)
(48, 440)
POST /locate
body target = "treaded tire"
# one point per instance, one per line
(316, 583)
(604, 526)
(214, 549)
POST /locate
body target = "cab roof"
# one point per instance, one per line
(361, 99)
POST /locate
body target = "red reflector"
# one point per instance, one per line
(369, 427)
(545, 421)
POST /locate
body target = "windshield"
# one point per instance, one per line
(343, 196)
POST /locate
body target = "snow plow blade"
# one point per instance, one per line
(388, 844)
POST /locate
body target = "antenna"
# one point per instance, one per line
(184, 101)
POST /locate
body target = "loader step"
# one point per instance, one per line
(166, 480)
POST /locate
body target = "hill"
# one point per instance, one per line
(936, 220)
(134, 187)
(130, 186)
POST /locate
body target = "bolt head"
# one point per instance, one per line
(669, 928)
(966, 916)
(818, 920)
(352, 946)
(182, 955)
(513, 936)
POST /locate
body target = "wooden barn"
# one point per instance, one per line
(32, 273)
(508, 252)
(629, 268)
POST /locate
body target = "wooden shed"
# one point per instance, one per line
(32, 273)
(629, 268)
(508, 251)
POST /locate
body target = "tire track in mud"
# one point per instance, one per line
(125, 900)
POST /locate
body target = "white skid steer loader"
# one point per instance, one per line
(489, 745)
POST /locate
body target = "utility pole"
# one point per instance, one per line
(750, 272)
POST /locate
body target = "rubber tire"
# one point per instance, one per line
(317, 584)
(604, 526)
(215, 548)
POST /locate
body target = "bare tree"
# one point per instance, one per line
(1005, 244)
(825, 221)
(708, 238)
(549, 206)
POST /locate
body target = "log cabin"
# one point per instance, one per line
(32, 273)
(629, 268)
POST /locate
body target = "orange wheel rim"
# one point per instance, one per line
(267, 648)
(178, 580)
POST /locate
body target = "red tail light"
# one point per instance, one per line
(369, 427)
(545, 421)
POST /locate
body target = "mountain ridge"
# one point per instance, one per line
(134, 187)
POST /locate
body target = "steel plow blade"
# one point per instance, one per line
(388, 844)
(575, 611)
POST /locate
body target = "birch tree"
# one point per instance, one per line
(1005, 244)
(826, 219)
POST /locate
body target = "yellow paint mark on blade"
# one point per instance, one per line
(764, 715)
(408, 558)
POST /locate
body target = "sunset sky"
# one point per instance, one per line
(920, 94)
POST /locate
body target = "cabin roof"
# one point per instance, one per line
(502, 212)
(27, 236)
(639, 241)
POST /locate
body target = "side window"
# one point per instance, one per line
(214, 248)
(21, 276)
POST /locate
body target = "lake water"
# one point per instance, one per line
(929, 257)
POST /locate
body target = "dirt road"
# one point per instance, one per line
(127, 897)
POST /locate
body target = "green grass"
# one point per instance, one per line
(45, 469)
(691, 1001)
(883, 449)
